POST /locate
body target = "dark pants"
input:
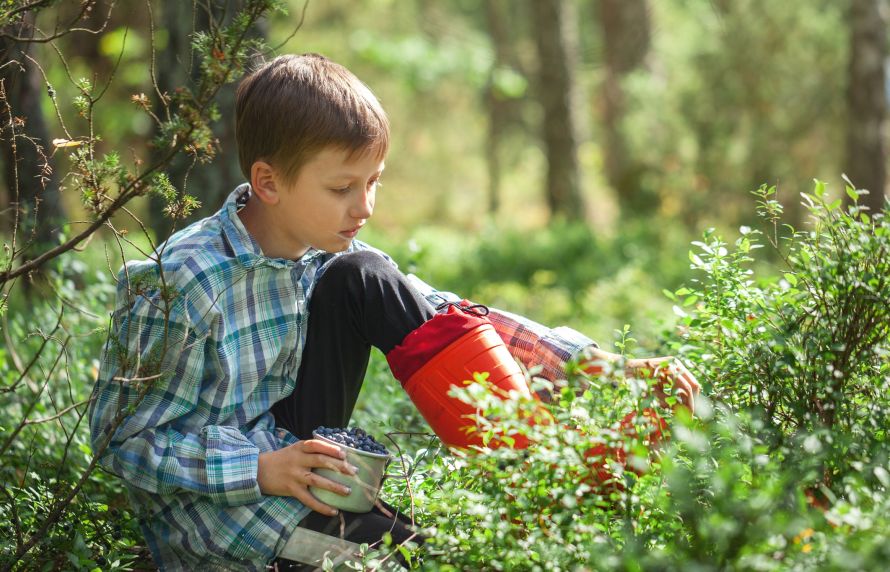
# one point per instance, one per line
(359, 302)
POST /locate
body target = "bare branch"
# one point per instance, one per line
(57, 415)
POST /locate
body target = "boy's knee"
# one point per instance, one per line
(354, 271)
(359, 264)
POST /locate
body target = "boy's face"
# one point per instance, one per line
(328, 203)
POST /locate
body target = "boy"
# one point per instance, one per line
(252, 327)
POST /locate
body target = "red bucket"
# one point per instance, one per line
(479, 350)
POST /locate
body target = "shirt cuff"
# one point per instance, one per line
(231, 466)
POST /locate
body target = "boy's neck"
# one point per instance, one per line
(259, 224)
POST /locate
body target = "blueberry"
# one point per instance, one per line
(354, 437)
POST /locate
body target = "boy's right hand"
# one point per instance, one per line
(288, 472)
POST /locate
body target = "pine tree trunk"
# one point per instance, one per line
(553, 22)
(497, 109)
(626, 38)
(866, 164)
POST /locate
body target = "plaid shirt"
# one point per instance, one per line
(211, 336)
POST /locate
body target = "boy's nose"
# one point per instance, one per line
(364, 207)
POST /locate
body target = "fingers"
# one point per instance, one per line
(320, 455)
(310, 479)
(303, 495)
(686, 383)
(684, 372)
(322, 447)
(669, 370)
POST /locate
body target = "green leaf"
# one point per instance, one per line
(853, 194)
(791, 278)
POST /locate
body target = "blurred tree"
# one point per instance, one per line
(496, 101)
(866, 160)
(626, 37)
(741, 92)
(554, 23)
(176, 66)
(31, 183)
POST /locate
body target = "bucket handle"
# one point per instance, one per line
(466, 307)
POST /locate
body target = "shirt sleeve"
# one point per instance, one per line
(531, 343)
(157, 357)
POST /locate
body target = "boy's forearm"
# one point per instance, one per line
(601, 355)
(596, 358)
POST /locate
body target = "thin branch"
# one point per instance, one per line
(16, 11)
(9, 440)
(65, 31)
(294, 33)
(17, 360)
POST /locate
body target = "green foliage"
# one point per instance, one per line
(736, 487)
(809, 348)
(564, 274)
(762, 478)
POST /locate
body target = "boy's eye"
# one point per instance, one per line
(376, 184)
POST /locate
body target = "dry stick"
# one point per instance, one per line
(57, 415)
(16, 360)
(15, 172)
(151, 243)
(151, 67)
(391, 554)
(71, 243)
(30, 408)
(294, 33)
(52, 96)
(57, 35)
(128, 194)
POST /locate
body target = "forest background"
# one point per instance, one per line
(555, 158)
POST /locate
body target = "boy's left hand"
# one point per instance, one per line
(667, 371)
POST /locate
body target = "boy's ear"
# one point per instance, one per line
(262, 182)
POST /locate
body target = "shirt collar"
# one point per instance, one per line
(246, 249)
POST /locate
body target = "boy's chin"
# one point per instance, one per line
(338, 246)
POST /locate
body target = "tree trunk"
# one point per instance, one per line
(210, 182)
(500, 107)
(626, 38)
(25, 142)
(553, 23)
(866, 160)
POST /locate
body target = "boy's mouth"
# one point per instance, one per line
(350, 233)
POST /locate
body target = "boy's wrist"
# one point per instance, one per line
(596, 360)
(265, 473)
